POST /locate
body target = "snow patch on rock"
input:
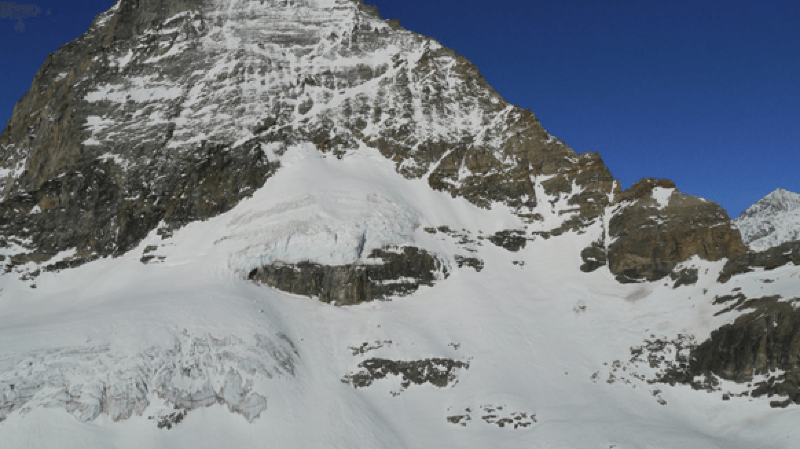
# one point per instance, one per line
(662, 196)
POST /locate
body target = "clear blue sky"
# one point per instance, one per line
(704, 92)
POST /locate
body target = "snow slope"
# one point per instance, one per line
(772, 220)
(124, 341)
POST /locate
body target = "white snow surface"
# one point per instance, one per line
(772, 220)
(662, 196)
(95, 351)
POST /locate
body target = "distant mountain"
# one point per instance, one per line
(773, 220)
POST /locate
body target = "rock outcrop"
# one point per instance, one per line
(594, 257)
(439, 372)
(387, 272)
(655, 227)
(768, 259)
(761, 347)
(98, 208)
(686, 276)
(512, 240)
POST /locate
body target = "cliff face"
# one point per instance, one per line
(165, 113)
(762, 347)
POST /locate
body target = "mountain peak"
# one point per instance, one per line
(783, 196)
(772, 220)
(777, 200)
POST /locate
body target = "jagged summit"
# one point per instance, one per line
(771, 221)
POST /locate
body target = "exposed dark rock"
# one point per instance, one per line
(594, 257)
(780, 404)
(739, 299)
(668, 357)
(769, 259)
(151, 257)
(649, 240)
(71, 262)
(172, 419)
(92, 203)
(741, 302)
(99, 210)
(400, 273)
(643, 189)
(596, 183)
(464, 238)
(687, 276)
(367, 347)
(486, 173)
(473, 262)
(512, 240)
(765, 341)
(459, 419)
(439, 372)
(496, 415)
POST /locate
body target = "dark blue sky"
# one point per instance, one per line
(704, 92)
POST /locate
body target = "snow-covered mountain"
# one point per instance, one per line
(772, 220)
(292, 223)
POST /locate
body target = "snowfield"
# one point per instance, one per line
(100, 356)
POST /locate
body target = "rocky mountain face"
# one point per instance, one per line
(166, 114)
(773, 220)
